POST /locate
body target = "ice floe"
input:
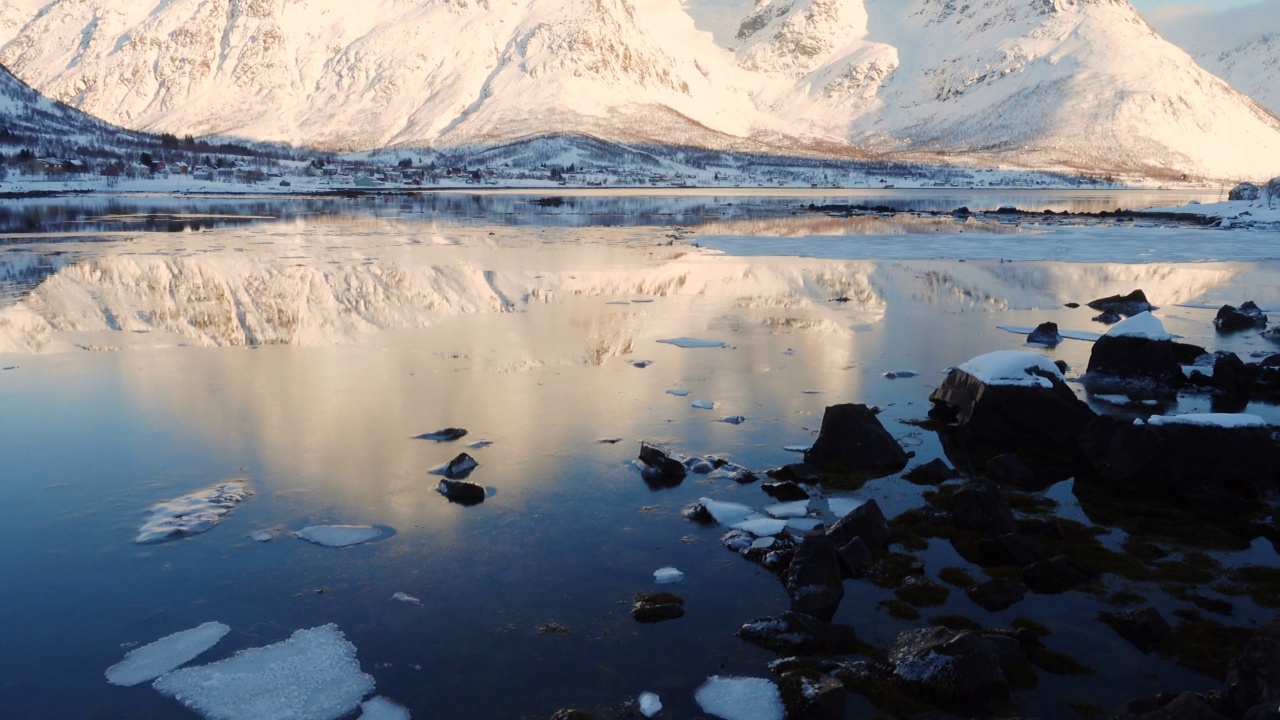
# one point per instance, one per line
(1143, 325)
(678, 393)
(338, 535)
(843, 506)
(803, 525)
(703, 404)
(1085, 335)
(1013, 367)
(763, 543)
(650, 705)
(667, 575)
(738, 698)
(406, 598)
(380, 708)
(761, 527)
(795, 509)
(797, 448)
(480, 444)
(688, 342)
(726, 513)
(1226, 420)
(895, 374)
(314, 675)
(166, 654)
(192, 514)
(263, 536)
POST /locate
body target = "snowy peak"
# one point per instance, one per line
(1240, 45)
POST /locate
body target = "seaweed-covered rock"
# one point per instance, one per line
(657, 607)
(1246, 317)
(852, 441)
(957, 671)
(1010, 549)
(1253, 676)
(1144, 627)
(980, 506)
(997, 594)
(1054, 575)
(800, 634)
(814, 580)
(1127, 305)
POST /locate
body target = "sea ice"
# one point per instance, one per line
(263, 536)
(406, 598)
(480, 444)
(763, 543)
(380, 708)
(667, 575)
(761, 527)
(338, 535)
(1226, 420)
(192, 514)
(172, 651)
(1086, 335)
(803, 525)
(796, 509)
(1011, 367)
(735, 698)
(703, 404)
(314, 675)
(678, 393)
(894, 374)
(725, 513)
(650, 705)
(1144, 325)
(843, 506)
(688, 342)
(797, 448)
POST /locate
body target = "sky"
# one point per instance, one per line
(1156, 9)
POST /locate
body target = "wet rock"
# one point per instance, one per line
(785, 490)
(852, 441)
(1182, 706)
(934, 472)
(1035, 415)
(1010, 470)
(461, 491)
(1144, 627)
(814, 580)
(800, 634)
(867, 523)
(1107, 317)
(980, 506)
(1244, 191)
(571, 714)
(957, 671)
(811, 696)
(1246, 317)
(445, 435)
(1054, 575)
(1010, 549)
(659, 466)
(698, 466)
(801, 472)
(997, 594)
(1127, 305)
(657, 607)
(1139, 355)
(1253, 676)
(1045, 334)
(460, 467)
(698, 513)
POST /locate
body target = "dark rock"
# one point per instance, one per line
(867, 523)
(659, 466)
(1062, 366)
(997, 594)
(1107, 317)
(800, 634)
(1246, 317)
(801, 472)
(1144, 627)
(980, 506)
(957, 671)
(461, 491)
(814, 581)
(1127, 305)
(1244, 191)
(1125, 362)
(1183, 706)
(934, 472)
(1010, 549)
(1010, 470)
(460, 467)
(785, 490)
(1253, 676)
(1045, 334)
(1233, 380)
(1055, 575)
(852, 441)
(571, 714)
(811, 696)
(855, 557)
(698, 513)
(1039, 422)
(445, 435)
(657, 607)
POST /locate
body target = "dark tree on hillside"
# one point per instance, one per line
(145, 159)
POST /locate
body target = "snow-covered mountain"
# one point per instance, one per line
(1240, 45)
(30, 119)
(1062, 84)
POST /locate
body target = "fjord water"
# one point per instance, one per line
(303, 354)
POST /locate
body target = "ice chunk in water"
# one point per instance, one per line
(761, 527)
(703, 404)
(192, 514)
(380, 708)
(734, 698)
(314, 675)
(172, 651)
(725, 513)
(650, 705)
(338, 535)
(803, 525)
(796, 509)
(263, 536)
(667, 575)
(678, 393)
(406, 598)
(688, 342)
(797, 448)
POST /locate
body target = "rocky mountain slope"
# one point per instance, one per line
(1060, 84)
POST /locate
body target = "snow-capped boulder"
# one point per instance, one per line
(1010, 401)
(852, 441)
(1138, 354)
(1246, 191)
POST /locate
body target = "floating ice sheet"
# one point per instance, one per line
(314, 675)
(380, 708)
(803, 525)
(1085, 335)
(796, 509)
(843, 506)
(797, 448)
(263, 536)
(703, 404)
(192, 514)
(650, 705)
(725, 513)
(406, 598)
(168, 653)
(688, 342)
(678, 393)
(338, 535)
(735, 698)
(667, 575)
(761, 527)
(1226, 420)
(1012, 367)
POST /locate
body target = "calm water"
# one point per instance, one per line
(304, 353)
